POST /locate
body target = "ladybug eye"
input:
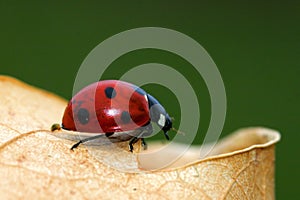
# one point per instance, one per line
(83, 116)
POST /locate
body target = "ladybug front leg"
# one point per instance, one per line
(144, 144)
(134, 140)
(145, 131)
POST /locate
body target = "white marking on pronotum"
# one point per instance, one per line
(162, 120)
(146, 97)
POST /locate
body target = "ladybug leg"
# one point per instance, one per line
(85, 140)
(109, 134)
(144, 144)
(76, 145)
(132, 142)
(166, 135)
(145, 131)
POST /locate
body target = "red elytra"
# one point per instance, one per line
(114, 105)
(114, 109)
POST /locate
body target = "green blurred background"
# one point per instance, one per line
(256, 46)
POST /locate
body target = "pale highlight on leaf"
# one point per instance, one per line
(7, 134)
(26, 108)
(239, 141)
(39, 165)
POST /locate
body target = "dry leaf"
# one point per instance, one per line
(26, 108)
(7, 133)
(37, 164)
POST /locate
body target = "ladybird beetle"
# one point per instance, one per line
(115, 109)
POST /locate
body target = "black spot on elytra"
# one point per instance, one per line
(125, 117)
(83, 116)
(110, 92)
(140, 91)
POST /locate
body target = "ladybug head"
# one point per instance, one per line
(159, 115)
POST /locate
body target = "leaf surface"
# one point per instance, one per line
(34, 163)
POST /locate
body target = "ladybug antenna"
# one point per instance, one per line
(178, 131)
